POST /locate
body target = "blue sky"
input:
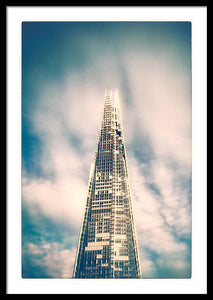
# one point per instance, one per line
(66, 67)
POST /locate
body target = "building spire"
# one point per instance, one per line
(108, 97)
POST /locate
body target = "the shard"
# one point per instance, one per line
(107, 245)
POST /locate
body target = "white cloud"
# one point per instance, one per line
(61, 200)
(162, 107)
(57, 262)
(161, 219)
(148, 267)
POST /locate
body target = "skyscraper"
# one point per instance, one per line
(107, 245)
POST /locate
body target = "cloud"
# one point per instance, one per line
(149, 268)
(60, 200)
(161, 101)
(51, 257)
(163, 220)
(156, 112)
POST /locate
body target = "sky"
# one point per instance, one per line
(66, 68)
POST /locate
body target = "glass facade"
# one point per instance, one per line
(107, 245)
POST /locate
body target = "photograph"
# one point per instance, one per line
(106, 150)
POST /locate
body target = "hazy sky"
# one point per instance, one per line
(66, 68)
